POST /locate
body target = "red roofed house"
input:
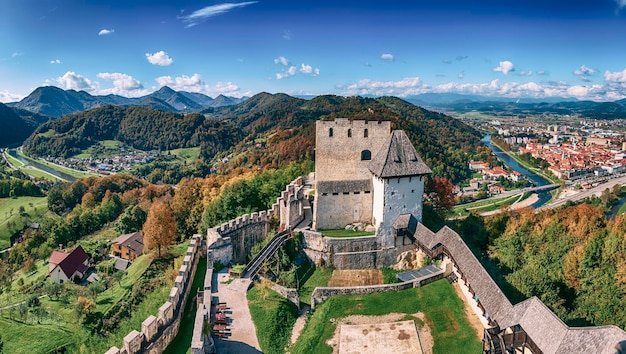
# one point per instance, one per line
(496, 172)
(68, 266)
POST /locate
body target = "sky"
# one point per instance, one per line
(531, 48)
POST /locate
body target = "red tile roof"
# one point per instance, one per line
(71, 262)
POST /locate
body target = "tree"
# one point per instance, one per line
(440, 192)
(83, 307)
(159, 230)
(53, 289)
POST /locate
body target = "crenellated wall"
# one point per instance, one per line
(157, 332)
(233, 240)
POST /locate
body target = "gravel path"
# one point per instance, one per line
(243, 337)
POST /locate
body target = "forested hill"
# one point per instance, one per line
(265, 130)
(286, 126)
(17, 124)
(140, 127)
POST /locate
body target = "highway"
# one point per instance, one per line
(587, 193)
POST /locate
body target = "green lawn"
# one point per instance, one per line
(443, 310)
(9, 213)
(310, 278)
(15, 162)
(273, 317)
(186, 153)
(485, 205)
(19, 338)
(341, 233)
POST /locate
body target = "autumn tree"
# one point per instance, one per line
(440, 192)
(159, 230)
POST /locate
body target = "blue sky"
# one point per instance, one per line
(531, 48)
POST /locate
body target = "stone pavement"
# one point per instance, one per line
(243, 337)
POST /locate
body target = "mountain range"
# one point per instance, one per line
(268, 130)
(56, 102)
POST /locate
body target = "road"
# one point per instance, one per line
(587, 193)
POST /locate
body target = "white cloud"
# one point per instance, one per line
(617, 76)
(461, 75)
(505, 67)
(159, 58)
(290, 72)
(207, 12)
(195, 83)
(620, 4)
(584, 71)
(16, 54)
(308, 70)
(55, 61)
(281, 60)
(6, 96)
(104, 32)
(123, 84)
(525, 73)
(541, 72)
(387, 57)
(73, 81)
(413, 86)
(287, 35)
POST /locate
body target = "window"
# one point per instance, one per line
(335, 193)
(366, 155)
(330, 132)
(346, 193)
(365, 133)
(349, 133)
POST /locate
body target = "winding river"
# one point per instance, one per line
(537, 179)
(42, 167)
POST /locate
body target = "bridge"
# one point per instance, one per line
(252, 268)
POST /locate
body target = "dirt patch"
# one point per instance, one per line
(392, 333)
(356, 277)
(472, 318)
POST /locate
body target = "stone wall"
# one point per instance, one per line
(322, 293)
(158, 332)
(351, 253)
(233, 240)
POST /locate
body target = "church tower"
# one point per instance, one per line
(398, 189)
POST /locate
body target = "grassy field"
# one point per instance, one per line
(61, 321)
(310, 278)
(341, 233)
(438, 301)
(484, 205)
(9, 213)
(30, 170)
(186, 153)
(273, 317)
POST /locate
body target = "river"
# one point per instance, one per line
(42, 167)
(537, 179)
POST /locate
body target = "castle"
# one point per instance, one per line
(365, 173)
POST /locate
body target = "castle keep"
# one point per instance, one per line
(365, 173)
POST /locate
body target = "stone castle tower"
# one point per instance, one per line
(365, 173)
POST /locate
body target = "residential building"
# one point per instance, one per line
(128, 246)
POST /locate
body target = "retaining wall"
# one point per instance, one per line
(352, 252)
(322, 293)
(157, 332)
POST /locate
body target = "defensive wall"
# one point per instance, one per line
(233, 240)
(352, 253)
(157, 332)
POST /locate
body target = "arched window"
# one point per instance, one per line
(330, 132)
(349, 133)
(366, 155)
(365, 133)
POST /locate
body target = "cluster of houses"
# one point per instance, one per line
(570, 160)
(77, 266)
(490, 175)
(104, 165)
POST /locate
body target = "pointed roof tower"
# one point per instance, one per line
(398, 158)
